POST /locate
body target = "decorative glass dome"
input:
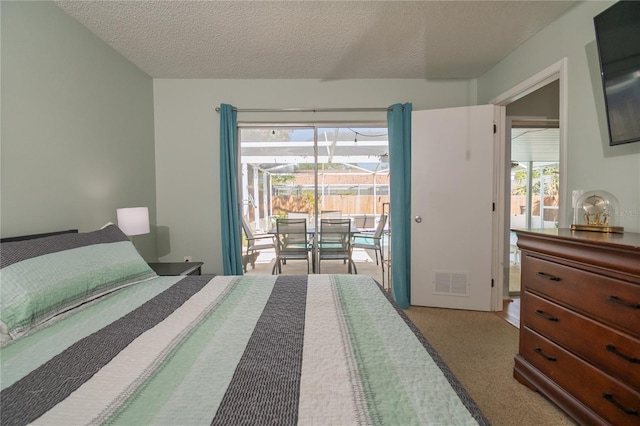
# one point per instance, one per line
(596, 211)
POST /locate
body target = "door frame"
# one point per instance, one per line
(557, 71)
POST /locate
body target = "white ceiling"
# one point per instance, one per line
(314, 39)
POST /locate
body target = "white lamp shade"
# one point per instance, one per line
(134, 220)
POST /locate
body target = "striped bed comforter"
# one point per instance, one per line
(281, 350)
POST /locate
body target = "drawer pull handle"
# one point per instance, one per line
(547, 357)
(617, 300)
(613, 349)
(546, 315)
(548, 276)
(612, 400)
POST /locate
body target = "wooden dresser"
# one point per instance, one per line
(580, 323)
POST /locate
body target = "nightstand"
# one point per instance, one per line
(177, 268)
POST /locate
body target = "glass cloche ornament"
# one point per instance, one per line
(596, 211)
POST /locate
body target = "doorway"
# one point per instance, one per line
(554, 80)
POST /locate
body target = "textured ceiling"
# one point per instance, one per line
(314, 39)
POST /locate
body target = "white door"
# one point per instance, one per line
(452, 187)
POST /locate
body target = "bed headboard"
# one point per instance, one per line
(32, 236)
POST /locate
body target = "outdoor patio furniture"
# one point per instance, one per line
(292, 242)
(372, 241)
(298, 215)
(334, 242)
(255, 243)
(363, 221)
(331, 214)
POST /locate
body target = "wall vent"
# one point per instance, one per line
(451, 283)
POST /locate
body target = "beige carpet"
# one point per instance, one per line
(479, 348)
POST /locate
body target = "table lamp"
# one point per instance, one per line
(134, 220)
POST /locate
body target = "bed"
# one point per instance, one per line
(91, 335)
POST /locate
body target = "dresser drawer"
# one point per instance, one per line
(613, 401)
(613, 301)
(616, 353)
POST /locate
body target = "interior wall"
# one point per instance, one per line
(77, 127)
(542, 103)
(187, 140)
(591, 163)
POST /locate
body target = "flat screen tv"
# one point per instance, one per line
(618, 39)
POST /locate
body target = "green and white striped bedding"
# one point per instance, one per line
(42, 277)
(318, 349)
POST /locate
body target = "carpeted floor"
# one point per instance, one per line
(479, 348)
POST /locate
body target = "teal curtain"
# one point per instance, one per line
(399, 124)
(229, 214)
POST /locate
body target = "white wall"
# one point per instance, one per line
(187, 140)
(77, 127)
(591, 162)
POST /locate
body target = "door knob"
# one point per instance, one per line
(418, 219)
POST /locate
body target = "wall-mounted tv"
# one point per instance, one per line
(618, 39)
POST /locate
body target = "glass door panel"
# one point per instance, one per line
(535, 171)
(534, 195)
(353, 173)
(277, 172)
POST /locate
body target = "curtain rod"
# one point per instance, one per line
(307, 109)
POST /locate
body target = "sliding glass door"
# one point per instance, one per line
(312, 171)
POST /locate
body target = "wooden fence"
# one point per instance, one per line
(363, 204)
(347, 204)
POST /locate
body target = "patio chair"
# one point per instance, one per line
(297, 215)
(292, 242)
(372, 241)
(331, 214)
(255, 243)
(362, 221)
(334, 242)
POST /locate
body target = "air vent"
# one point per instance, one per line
(451, 283)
